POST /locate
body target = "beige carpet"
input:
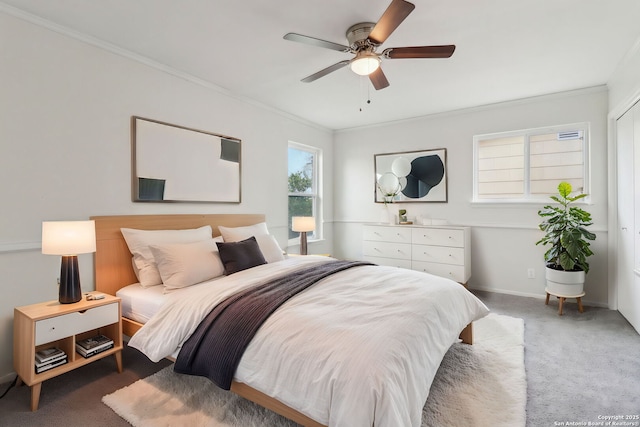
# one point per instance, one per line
(479, 385)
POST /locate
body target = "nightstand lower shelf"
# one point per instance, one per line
(54, 325)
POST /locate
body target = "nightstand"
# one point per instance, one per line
(51, 324)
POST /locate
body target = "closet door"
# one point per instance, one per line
(628, 185)
(634, 318)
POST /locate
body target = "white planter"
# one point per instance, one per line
(565, 283)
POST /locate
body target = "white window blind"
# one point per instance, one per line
(523, 165)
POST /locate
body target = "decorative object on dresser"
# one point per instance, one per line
(45, 337)
(174, 163)
(415, 176)
(69, 238)
(565, 228)
(303, 224)
(441, 250)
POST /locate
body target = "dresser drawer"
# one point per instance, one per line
(387, 234)
(387, 250)
(55, 328)
(390, 262)
(453, 272)
(438, 237)
(439, 254)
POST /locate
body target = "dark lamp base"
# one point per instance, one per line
(303, 243)
(69, 291)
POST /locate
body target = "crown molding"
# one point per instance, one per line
(109, 47)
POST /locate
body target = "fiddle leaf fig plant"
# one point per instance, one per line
(566, 232)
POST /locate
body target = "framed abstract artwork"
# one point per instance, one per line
(172, 163)
(411, 176)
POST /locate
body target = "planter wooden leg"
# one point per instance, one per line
(580, 309)
(547, 300)
(560, 305)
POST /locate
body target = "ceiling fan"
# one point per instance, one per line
(365, 37)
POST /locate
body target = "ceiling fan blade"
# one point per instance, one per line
(294, 37)
(397, 11)
(326, 71)
(444, 51)
(378, 79)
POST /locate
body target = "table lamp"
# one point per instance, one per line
(303, 224)
(69, 238)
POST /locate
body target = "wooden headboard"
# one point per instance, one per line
(112, 259)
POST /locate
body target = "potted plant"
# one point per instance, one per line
(566, 233)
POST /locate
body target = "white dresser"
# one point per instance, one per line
(441, 250)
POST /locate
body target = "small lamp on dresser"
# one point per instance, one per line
(303, 224)
(69, 238)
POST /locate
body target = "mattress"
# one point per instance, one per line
(140, 304)
(359, 348)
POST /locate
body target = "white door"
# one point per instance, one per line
(628, 251)
(633, 314)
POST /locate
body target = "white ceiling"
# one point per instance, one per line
(506, 49)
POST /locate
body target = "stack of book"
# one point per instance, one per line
(91, 346)
(49, 358)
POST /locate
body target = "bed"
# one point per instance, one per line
(114, 271)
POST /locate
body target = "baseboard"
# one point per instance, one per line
(537, 296)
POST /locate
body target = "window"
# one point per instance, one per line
(304, 186)
(528, 165)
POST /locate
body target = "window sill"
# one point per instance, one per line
(523, 202)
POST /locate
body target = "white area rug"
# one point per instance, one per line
(479, 385)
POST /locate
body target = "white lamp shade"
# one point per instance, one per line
(303, 223)
(68, 237)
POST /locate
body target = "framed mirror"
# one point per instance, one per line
(172, 163)
(411, 176)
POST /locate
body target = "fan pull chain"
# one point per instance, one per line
(363, 83)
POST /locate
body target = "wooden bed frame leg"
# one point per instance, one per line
(467, 334)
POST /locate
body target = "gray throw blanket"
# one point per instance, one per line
(215, 348)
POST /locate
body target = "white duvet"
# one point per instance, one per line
(360, 348)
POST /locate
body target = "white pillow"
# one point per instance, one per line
(269, 246)
(139, 242)
(185, 264)
(236, 234)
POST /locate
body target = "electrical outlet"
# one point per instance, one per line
(531, 273)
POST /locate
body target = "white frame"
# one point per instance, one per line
(527, 198)
(316, 191)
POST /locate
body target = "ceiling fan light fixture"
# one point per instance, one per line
(365, 63)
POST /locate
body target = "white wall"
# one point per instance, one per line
(65, 153)
(503, 236)
(624, 92)
(624, 84)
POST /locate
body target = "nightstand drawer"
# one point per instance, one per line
(55, 328)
